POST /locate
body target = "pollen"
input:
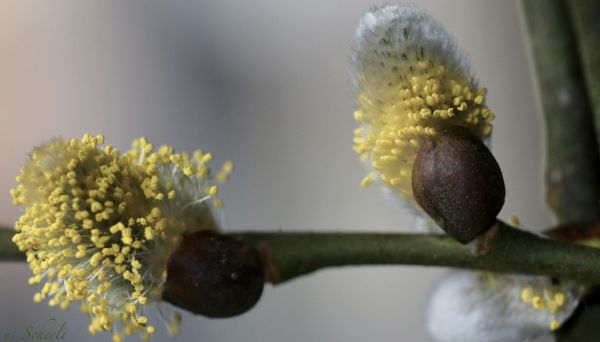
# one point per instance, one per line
(99, 225)
(174, 324)
(545, 299)
(527, 295)
(367, 181)
(398, 118)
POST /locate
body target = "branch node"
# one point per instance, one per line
(266, 255)
(484, 241)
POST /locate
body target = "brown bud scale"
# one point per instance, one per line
(458, 182)
(214, 275)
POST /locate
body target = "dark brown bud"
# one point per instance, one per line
(214, 275)
(457, 181)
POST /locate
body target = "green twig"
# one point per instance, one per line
(573, 165)
(505, 249)
(502, 249)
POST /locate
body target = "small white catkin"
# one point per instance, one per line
(476, 306)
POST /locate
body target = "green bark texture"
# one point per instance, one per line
(289, 255)
(573, 165)
(505, 249)
(565, 43)
(584, 15)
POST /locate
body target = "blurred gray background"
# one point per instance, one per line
(264, 83)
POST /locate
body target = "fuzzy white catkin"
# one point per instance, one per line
(394, 30)
(474, 306)
(390, 44)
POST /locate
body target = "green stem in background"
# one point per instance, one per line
(573, 165)
(584, 15)
(567, 55)
(8, 250)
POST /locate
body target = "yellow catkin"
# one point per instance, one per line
(406, 95)
(99, 225)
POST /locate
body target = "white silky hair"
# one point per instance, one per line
(422, 223)
(385, 33)
(465, 308)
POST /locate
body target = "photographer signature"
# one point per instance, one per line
(50, 330)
